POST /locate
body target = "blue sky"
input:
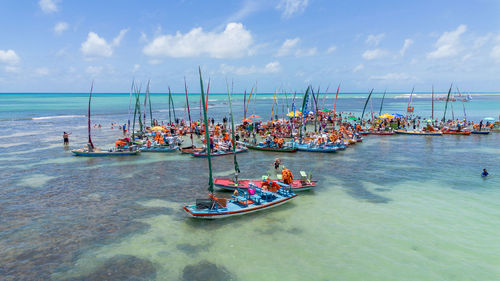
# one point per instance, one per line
(62, 45)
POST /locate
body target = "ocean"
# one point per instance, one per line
(389, 208)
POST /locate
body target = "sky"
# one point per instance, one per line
(282, 45)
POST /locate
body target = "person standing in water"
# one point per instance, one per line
(485, 173)
(66, 138)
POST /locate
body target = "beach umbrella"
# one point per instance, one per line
(294, 114)
(157, 128)
(429, 121)
(386, 116)
(489, 119)
(246, 120)
(397, 115)
(253, 116)
(326, 110)
(353, 118)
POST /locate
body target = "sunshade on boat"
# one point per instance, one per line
(386, 116)
(157, 128)
(294, 114)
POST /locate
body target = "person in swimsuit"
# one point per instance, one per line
(66, 138)
(485, 173)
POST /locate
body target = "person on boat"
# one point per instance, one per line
(485, 173)
(287, 175)
(66, 138)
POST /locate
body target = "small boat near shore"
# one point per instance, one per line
(219, 153)
(455, 132)
(263, 147)
(480, 132)
(418, 133)
(190, 149)
(103, 153)
(158, 149)
(315, 148)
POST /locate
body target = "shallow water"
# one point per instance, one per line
(390, 208)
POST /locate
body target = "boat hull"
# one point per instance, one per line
(418, 133)
(480, 132)
(204, 155)
(273, 149)
(325, 149)
(104, 153)
(159, 149)
(229, 212)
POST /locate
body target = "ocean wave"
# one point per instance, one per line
(57, 117)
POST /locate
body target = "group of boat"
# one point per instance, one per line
(328, 132)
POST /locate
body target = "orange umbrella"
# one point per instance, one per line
(253, 116)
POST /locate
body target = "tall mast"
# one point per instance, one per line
(130, 104)
(446, 105)
(207, 137)
(188, 111)
(233, 139)
(382, 103)
(366, 103)
(90, 98)
(335, 104)
(432, 97)
(304, 102)
(150, 109)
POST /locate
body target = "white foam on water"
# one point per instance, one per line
(58, 117)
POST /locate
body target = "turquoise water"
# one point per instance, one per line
(390, 208)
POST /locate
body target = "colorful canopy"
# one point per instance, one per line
(294, 114)
(157, 128)
(326, 110)
(489, 119)
(386, 116)
(397, 115)
(253, 116)
(353, 118)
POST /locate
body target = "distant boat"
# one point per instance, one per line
(418, 133)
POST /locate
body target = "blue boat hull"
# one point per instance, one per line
(204, 155)
(159, 149)
(105, 153)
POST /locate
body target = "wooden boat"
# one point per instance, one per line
(456, 132)
(480, 132)
(263, 147)
(315, 148)
(418, 133)
(159, 148)
(229, 184)
(244, 203)
(219, 153)
(381, 133)
(102, 153)
(252, 200)
(190, 149)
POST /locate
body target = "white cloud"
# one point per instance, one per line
(358, 68)
(393, 77)
(42, 71)
(9, 57)
(272, 67)
(49, 6)
(306, 52)
(12, 69)
(233, 42)
(96, 46)
(374, 54)
(290, 7)
(60, 27)
(136, 67)
(94, 70)
(332, 49)
(374, 39)
(448, 45)
(287, 46)
(406, 45)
